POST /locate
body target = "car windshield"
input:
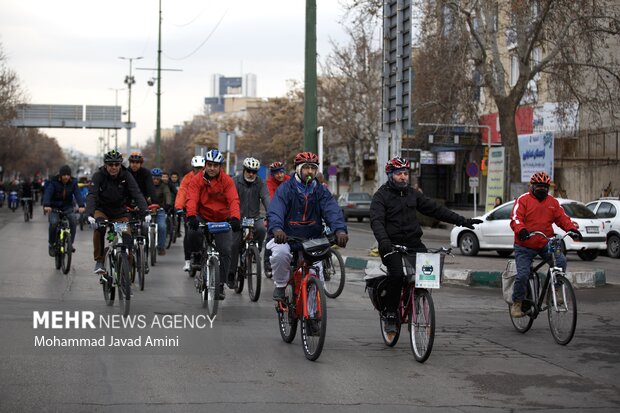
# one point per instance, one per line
(359, 196)
(575, 210)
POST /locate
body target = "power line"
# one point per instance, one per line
(203, 42)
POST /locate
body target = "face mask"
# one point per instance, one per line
(541, 192)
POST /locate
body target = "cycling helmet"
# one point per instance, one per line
(136, 157)
(396, 163)
(276, 167)
(112, 157)
(214, 156)
(251, 164)
(306, 157)
(540, 178)
(156, 172)
(198, 161)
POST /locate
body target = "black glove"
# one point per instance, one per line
(341, 239)
(385, 247)
(279, 236)
(524, 234)
(192, 223)
(235, 225)
(576, 235)
(470, 222)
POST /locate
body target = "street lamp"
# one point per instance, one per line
(129, 80)
(116, 105)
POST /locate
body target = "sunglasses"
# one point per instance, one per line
(114, 164)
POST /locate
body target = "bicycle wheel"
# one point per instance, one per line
(210, 291)
(333, 272)
(314, 325)
(124, 284)
(153, 245)
(170, 235)
(58, 255)
(240, 274)
(140, 262)
(563, 315)
(26, 213)
(108, 286)
(523, 324)
(66, 249)
(386, 339)
(422, 325)
(253, 272)
(287, 320)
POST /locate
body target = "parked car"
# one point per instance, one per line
(495, 233)
(608, 209)
(355, 204)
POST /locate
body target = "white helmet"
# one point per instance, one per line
(215, 156)
(198, 161)
(252, 164)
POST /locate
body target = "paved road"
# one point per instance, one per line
(479, 363)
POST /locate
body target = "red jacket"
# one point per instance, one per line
(273, 184)
(181, 198)
(214, 200)
(534, 215)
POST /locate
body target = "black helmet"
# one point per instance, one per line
(64, 170)
(113, 156)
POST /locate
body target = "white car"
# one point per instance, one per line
(608, 209)
(495, 233)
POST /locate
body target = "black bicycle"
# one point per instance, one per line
(557, 297)
(63, 247)
(249, 260)
(27, 206)
(171, 228)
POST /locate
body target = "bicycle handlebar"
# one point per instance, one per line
(556, 237)
(406, 250)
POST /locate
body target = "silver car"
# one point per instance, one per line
(355, 204)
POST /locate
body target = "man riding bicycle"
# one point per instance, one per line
(252, 191)
(142, 176)
(162, 197)
(393, 221)
(212, 197)
(536, 210)
(299, 207)
(111, 190)
(60, 194)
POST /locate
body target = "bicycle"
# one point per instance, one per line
(27, 207)
(416, 307)
(207, 263)
(116, 274)
(334, 274)
(151, 245)
(249, 260)
(171, 226)
(63, 247)
(305, 297)
(557, 297)
(139, 265)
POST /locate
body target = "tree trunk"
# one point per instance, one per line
(508, 128)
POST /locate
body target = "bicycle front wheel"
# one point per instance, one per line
(333, 270)
(563, 313)
(26, 213)
(287, 320)
(66, 250)
(170, 235)
(124, 283)
(108, 285)
(210, 290)
(422, 325)
(253, 272)
(140, 260)
(314, 323)
(153, 245)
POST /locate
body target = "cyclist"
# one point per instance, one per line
(111, 189)
(142, 176)
(172, 186)
(163, 198)
(198, 163)
(26, 191)
(212, 197)
(536, 210)
(59, 194)
(277, 176)
(393, 221)
(298, 208)
(252, 192)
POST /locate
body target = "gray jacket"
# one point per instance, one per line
(251, 194)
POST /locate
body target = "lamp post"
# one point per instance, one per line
(129, 80)
(116, 105)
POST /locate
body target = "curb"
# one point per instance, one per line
(475, 278)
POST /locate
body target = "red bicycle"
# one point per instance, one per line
(305, 298)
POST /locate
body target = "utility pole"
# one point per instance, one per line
(129, 81)
(310, 117)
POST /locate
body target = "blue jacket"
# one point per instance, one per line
(299, 210)
(60, 196)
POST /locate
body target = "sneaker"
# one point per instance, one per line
(51, 250)
(161, 251)
(187, 266)
(267, 271)
(313, 327)
(72, 250)
(515, 310)
(99, 268)
(230, 281)
(390, 327)
(279, 293)
(222, 294)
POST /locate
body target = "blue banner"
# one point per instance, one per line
(536, 154)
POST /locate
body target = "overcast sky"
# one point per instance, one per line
(67, 52)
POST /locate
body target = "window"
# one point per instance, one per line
(606, 210)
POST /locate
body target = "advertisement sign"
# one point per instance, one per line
(427, 270)
(495, 176)
(536, 154)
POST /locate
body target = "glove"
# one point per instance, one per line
(147, 219)
(524, 234)
(180, 212)
(92, 222)
(279, 236)
(576, 235)
(235, 225)
(470, 222)
(341, 239)
(385, 247)
(192, 223)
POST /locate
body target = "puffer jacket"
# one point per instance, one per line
(214, 200)
(111, 195)
(61, 196)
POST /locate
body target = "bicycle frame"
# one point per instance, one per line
(299, 282)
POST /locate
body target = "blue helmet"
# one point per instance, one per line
(156, 172)
(214, 156)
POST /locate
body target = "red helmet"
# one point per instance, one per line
(306, 157)
(276, 166)
(396, 163)
(540, 178)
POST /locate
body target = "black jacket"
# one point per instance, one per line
(61, 196)
(111, 195)
(144, 179)
(393, 215)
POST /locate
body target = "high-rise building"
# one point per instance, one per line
(222, 87)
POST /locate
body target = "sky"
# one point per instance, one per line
(67, 52)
